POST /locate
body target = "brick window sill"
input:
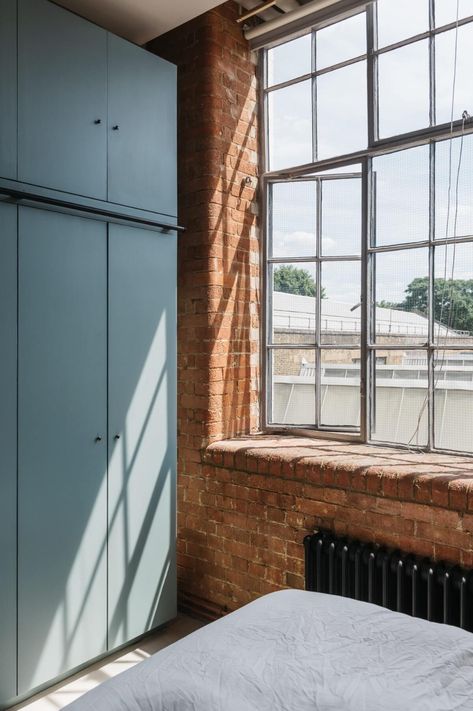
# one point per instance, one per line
(438, 479)
(420, 502)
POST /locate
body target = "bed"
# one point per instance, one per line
(299, 651)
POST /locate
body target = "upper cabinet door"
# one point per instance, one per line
(62, 100)
(142, 129)
(8, 89)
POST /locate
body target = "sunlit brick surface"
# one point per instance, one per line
(218, 278)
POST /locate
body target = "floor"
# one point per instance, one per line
(58, 696)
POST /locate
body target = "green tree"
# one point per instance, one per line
(453, 301)
(387, 304)
(294, 280)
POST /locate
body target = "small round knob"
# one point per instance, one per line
(97, 121)
(116, 127)
(98, 438)
(117, 436)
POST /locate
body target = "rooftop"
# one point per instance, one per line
(295, 312)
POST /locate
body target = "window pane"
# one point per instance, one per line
(340, 388)
(401, 188)
(453, 294)
(400, 19)
(404, 89)
(453, 401)
(401, 296)
(293, 303)
(290, 60)
(341, 216)
(454, 164)
(341, 313)
(341, 111)
(339, 323)
(446, 11)
(341, 41)
(293, 386)
(290, 126)
(400, 412)
(293, 219)
(444, 72)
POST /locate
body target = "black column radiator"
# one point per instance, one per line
(399, 581)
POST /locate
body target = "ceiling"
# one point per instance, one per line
(143, 20)
(139, 20)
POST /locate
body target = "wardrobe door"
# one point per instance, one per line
(142, 431)
(8, 337)
(142, 129)
(62, 95)
(62, 447)
(8, 88)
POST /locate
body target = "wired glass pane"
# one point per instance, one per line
(454, 188)
(290, 125)
(335, 91)
(400, 406)
(293, 386)
(293, 219)
(340, 388)
(404, 95)
(400, 19)
(341, 217)
(401, 196)
(370, 225)
(340, 321)
(293, 302)
(341, 41)
(453, 57)
(400, 299)
(290, 60)
(453, 400)
(446, 11)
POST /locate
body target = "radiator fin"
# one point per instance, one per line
(390, 578)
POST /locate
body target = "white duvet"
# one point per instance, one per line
(301, 651)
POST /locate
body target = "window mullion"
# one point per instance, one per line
(431, 303)
(365, 326)
(318, 307)
(315, 151)
(268, 290)
(372, 74)
(432, 107)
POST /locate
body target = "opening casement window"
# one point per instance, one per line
(368, 201)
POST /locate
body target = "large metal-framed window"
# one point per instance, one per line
(387, 184)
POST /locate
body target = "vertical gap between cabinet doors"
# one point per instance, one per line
(17, 435)
(107, 126)
(107, 335)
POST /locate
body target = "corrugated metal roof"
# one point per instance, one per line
(296, 312)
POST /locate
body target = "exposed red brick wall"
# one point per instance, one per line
(246, 515)
(218, 279)
(245, 507)
(218, 256)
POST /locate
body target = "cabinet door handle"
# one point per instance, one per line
(116, 127)
(98, 438)
(117, 436)
(97, 121)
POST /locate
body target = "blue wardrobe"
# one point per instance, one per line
(88, 233)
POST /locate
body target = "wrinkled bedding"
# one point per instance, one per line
(301, 651)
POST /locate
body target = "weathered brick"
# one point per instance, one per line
(245, 505)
